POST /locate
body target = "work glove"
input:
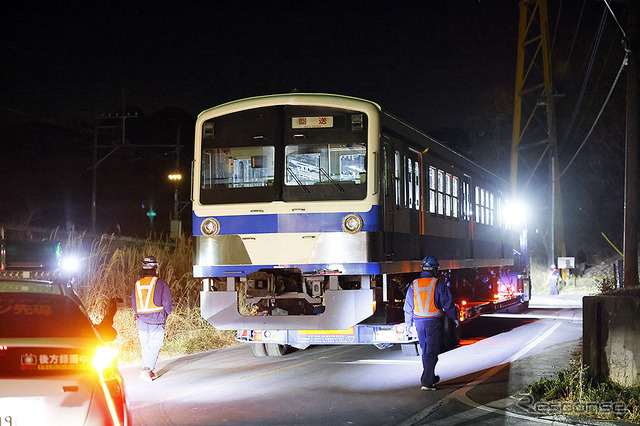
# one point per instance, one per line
(410, 330)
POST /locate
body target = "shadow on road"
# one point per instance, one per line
(485, 327)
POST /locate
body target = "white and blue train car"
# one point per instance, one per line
(313, 212)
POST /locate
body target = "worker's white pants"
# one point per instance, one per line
(151, 340)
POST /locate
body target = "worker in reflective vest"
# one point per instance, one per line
(151, 301)
(427, 300)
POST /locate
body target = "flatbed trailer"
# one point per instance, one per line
(275, 342)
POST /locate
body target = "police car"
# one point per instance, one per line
(54, 366)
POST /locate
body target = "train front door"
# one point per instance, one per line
(398, 207)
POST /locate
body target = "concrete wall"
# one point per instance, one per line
(611, 337)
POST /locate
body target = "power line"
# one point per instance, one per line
(596, 85)
(616, 19)
(594, 51)
(573, 42)
(615, 82)
(625, 61)
(555, 30)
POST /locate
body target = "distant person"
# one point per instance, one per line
(554, 280)
(428, 298)
(151, 301)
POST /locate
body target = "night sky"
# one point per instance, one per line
(74, 61)
(447, 67)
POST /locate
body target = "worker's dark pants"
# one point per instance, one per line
(429, 333)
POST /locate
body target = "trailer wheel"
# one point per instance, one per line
(275, 349)
(410, 349)
(258, 349)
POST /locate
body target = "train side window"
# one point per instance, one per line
(483, 206)
(454, 194)
(396, 178)
(465, 201)
(477, 203)
(432, 190)
(408, 201)
(416, 177)
(440, 192)
(447, 196)
(491, 208)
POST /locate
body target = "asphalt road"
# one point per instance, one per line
(361, 385)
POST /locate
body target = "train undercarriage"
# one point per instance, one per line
(274, 303)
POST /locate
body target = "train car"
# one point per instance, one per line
(312, 213)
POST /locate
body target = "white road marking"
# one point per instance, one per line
(479, 409)
(572, 318)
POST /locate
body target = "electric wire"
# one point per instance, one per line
(573, 42)
(594, 51)
(606, 101)
(591, 100)
(615, 18)
(555, 30)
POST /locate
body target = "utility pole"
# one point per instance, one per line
(176, 177)
(631, 152)
(117, 121)
(103, 123)
(176, 211)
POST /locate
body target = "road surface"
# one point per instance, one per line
(361, 385)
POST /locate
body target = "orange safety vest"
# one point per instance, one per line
(424, 305)
(145, 288)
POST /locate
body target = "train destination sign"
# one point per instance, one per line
(311, 122)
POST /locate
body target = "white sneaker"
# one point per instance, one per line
(146, 375)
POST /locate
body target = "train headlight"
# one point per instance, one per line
(352, 223)
(210, 227)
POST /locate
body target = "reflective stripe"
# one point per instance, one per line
(424, 305)
(145, 288)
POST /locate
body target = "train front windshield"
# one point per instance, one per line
(284, 153)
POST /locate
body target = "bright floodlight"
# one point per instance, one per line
(516, 213)
(175, 176)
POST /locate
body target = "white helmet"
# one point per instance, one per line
(149, 262)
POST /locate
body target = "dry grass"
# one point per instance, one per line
(574, 385)
(112, 269)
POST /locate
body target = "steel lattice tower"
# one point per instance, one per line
(534, 125)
